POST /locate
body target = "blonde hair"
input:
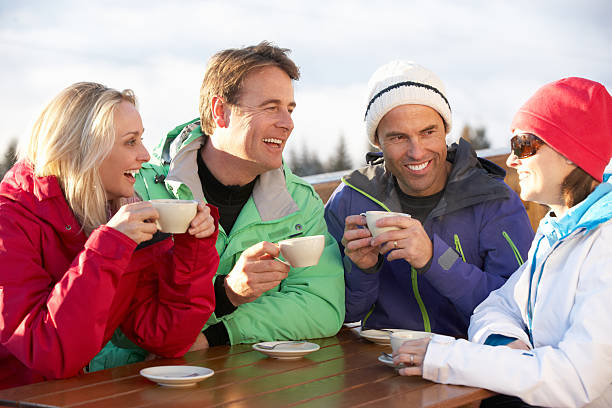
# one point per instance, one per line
(70, 139)
(227, 70)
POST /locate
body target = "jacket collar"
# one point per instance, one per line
(180, 149)
(470, 181)
(588, 214)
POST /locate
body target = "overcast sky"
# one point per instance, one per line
(492, 55)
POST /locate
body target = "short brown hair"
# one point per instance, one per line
(577, 186)
(227, 69)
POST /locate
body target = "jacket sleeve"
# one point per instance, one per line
(42, 319)
(175, 295)
(504, 224)
(309, 302)
(572, 373)
(361, 289)
(499, 312)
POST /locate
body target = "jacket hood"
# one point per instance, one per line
(20, 184)
(472, 180)
(42, 196)
(175, 140)
(588, 214)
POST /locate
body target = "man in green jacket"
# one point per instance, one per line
(231, 157)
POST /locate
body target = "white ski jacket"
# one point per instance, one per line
(559, 302)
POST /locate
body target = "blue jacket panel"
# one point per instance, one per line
(480, 233)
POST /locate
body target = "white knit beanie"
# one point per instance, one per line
(404, 83)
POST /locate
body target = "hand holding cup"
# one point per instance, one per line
(356, 241)
(409, 349)
(134, 220)
(255, 272)
(400, 237)
(203, 224)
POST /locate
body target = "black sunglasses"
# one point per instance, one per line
(525, 145)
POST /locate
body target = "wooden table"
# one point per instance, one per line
(345, 372)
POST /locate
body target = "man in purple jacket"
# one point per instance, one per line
(467, 233)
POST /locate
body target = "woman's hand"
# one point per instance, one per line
(518, 345)
(136, 220)
(203, 224)
(412, 355)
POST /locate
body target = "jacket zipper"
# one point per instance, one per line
(413, 272)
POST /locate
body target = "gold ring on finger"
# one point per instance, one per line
(412, 359)
(395, 244)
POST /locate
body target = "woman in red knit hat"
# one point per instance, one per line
(550, 321)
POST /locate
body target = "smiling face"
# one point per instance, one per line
(127, 155)
(413, 141)
(541, 175)
(260, 123)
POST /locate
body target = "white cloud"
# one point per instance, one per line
(491, 55)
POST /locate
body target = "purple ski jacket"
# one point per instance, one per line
(480, 233)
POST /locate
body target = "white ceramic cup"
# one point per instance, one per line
(175, 215)
(373, 216)
(303, 251)
(400, 336)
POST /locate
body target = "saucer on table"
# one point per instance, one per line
(386, 360)
(286, 350)
(378, 336)
(176, 376)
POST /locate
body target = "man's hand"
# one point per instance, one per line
(255, 273)
(357, 242)
(410, 242)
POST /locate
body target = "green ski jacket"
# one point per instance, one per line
(309, 303)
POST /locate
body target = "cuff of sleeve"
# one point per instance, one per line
(223, 306)
(217, 335)
(424, 268)
(376, 268)
(111, 243)
(434, 367)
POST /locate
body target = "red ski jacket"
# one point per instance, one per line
(63, 294)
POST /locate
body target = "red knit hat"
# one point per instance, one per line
(574, 117)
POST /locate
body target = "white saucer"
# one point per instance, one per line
(386, 361)
(176, 376)
(288, 351)
(376, 336)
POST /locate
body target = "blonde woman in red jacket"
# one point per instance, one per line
(80, 256)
